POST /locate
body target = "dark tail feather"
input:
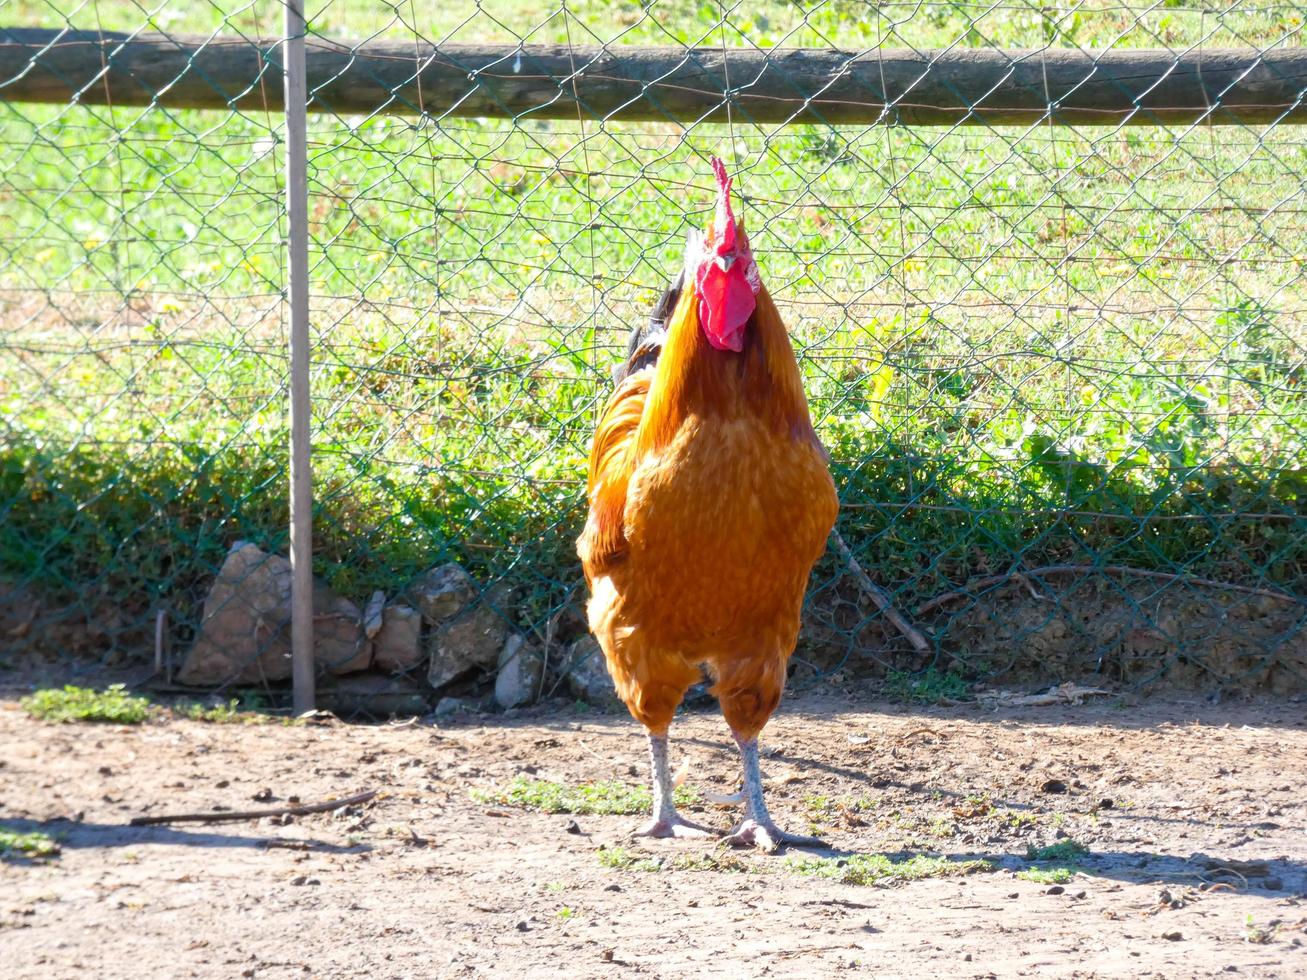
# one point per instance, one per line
(646, 342)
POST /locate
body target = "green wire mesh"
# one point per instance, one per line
(1060, 369)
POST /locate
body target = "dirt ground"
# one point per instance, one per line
(424, 881)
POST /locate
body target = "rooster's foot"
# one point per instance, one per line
(674, 826)
(767, 837)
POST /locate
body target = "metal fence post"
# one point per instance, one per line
(297, 263)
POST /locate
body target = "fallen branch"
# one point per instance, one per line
(224, 816)
(879, 597)
(1066, 693)
(1048, 570)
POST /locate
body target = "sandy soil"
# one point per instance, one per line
(426, 882)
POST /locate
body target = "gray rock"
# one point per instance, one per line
(470, 640)
(374, 695)
(520, 666)
(587, 674)
(398, 644)
(372, 614)
(442, 592)
(244, 635)
(447, 707)
(339, 644)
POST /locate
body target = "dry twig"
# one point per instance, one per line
(879, 597)
(223, 816)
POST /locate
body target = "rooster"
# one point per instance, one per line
(710, 501)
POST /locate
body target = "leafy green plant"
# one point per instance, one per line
(32, 845)
(234, 711)
(1047, 876)
(929, 687)
(1063, 850)
(71, 703)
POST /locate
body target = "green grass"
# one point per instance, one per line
(70, 703)
(1063, 850)
(857, 869)
(881, 869)
(32, 845)
(766, 23)
(1048, 876)
(1059, 862)
(1041, 346)
(585, 798)
(931, 686)
(623, 859)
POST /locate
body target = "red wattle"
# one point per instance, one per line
(725, 304)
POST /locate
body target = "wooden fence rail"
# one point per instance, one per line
(540, 81)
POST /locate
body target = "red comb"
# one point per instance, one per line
(724, 225)
(723, 181)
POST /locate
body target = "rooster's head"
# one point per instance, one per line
(724, 274)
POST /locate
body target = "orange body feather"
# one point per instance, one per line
(710, 500)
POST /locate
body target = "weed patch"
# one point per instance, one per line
(1047, 876)
(71, 703)
(622, 859)
(929, 687)
(31, 845)
(1064, 850)
(881, 869)
(602, 798)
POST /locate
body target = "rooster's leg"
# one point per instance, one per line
(758, 829)
(666, 821)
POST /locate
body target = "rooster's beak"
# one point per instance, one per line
(724, 262)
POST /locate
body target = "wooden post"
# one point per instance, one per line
(297, 279)
(959, 86)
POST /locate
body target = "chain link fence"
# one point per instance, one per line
(1050, 316)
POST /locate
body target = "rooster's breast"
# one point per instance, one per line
(723, 527)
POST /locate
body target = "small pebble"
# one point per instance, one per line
(523, 926)
(1174, 937)
(573, 827)
(614, 887)
(1053, 786)
(607, 955)
(1055, 890)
